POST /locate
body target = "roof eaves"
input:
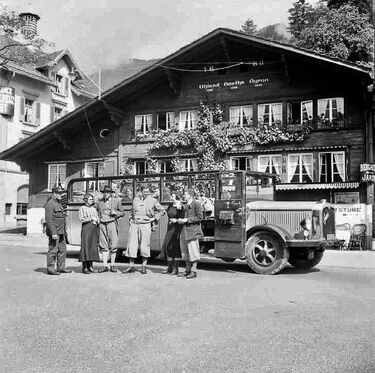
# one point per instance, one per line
(255, 39)
(30, 73)
(10, 152)
(295, 49)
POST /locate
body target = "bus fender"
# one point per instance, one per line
(279, 232)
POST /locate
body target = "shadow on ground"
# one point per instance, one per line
(16, 230)
(209, 265)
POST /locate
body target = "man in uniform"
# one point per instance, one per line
(146, 212)
(110, 210)
(56, 232)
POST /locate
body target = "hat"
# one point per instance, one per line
(58, 189)
(107, 189)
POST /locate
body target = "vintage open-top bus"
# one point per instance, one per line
(241, 218)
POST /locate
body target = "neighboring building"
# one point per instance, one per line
(275, 85)
(33, 95)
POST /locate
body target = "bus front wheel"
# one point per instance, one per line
(266, 254)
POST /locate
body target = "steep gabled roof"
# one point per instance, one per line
(78, 116)
(31, 62)
(282, 47)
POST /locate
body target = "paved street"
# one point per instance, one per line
(226, 320)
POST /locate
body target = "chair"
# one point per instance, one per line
(357, 237)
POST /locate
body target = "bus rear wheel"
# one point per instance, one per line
(302, 261)
(266, 254)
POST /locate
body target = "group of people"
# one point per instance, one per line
(99, 233)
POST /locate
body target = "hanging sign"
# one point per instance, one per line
(346, 197)
(367, 171)
(7, 95)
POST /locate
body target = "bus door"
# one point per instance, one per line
(230, 219)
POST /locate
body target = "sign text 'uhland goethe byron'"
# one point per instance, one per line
(234, 84)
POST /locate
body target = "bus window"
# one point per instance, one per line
(230, 186)
(175, 185)
(78, 191)
(259, 188)
(150, 182)
(123, 188)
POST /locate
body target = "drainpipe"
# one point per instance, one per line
(370, 136)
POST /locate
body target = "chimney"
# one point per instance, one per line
(30, 19)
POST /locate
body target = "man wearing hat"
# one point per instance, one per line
(110, 210)
(56, 232)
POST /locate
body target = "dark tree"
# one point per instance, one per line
(364, 6)
(341, 32)
(249, 27)
(300, 16)
(14, 45)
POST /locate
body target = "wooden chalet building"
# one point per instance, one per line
(260, 83)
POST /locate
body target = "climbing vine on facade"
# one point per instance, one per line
(212, 137)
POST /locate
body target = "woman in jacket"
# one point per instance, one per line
(171, 245)
(190, 234)
(89, 218)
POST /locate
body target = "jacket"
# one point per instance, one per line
(194, 215)
(55, 217)
(153, 208)
(105, 207)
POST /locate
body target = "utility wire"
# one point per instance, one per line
(92, 134)
(211, 69)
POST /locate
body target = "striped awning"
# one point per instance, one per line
(347, 185)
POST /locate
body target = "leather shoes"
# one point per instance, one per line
(144, 270)
(52, 272)
(103, 269)
(64, 270)
(86, 271)
(113, 269)
(167, 271)
(192, 274)
(185, 274)
(129, 270)
(92, 270)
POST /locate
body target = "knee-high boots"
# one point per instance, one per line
(175, 267)
(169, 269)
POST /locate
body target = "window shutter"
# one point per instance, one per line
(37, 113)
(22, 109)
(52, 114)
(66, 85)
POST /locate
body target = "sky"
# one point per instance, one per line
(105, 33)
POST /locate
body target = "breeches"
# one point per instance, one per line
(189, 249)
(139, 238)
(108, 237)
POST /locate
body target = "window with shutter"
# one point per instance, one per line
(66, 86)
(29, 114)
(22, 109)
(37, 113)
